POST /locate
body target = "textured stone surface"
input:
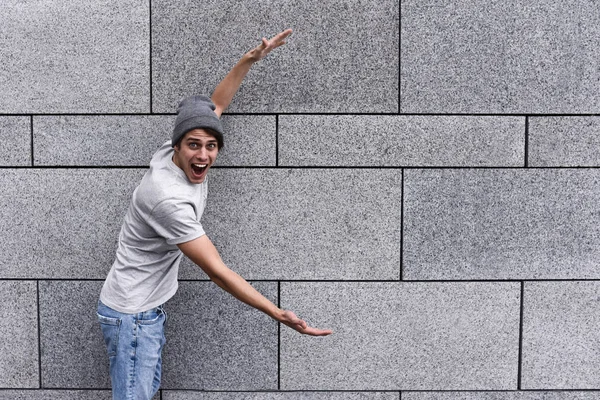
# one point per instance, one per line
(214, 342)
(15, 135)
(99, 140)
(305, 224)
(169, 395)
(132, 140)
(497, 56)
(73, 351)
(64, 56)
(560, 335)
(19, 367)
(501, 396)
(564, 141)
(62, 223)
(342, 56)
(366, 140)
(402, 336)
(249, 140)
(501, 224)
(55, 395)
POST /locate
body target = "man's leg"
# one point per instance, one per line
(134, 345)
(151, 338)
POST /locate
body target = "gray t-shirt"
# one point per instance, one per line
(165, 211)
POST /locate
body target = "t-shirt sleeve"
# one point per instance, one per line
(175, 221)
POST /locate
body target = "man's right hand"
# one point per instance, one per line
(290, 319)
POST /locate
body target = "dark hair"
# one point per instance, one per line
(212, 132)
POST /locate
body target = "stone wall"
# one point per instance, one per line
(419, 176)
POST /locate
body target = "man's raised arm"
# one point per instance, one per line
(228, 87)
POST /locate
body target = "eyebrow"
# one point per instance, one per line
(199, 140)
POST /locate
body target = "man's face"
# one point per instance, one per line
(195, 154)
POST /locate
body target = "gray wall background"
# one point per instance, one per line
(419, 176)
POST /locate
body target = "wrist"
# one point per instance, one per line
(278, 314)
(248, 58)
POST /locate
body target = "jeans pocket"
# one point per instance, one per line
(110, 330)
(152, 317)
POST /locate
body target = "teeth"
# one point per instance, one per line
(199, 165)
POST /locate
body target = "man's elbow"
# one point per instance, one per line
(219, 109)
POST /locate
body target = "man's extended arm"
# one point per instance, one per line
(202, 252)
(228, 87)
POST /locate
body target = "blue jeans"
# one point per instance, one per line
(134, 344)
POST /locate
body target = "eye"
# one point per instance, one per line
(211, 145)
(193, 145)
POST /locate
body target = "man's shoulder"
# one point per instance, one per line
(162, 185)
(157, 186)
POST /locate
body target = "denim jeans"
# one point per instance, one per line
(134, 344)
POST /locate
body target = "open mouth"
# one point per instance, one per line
(199, 169)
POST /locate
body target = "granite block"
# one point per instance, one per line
(183, 395)
(55, 395)
(560, 335)
(305, 224)
(126, 140)
(215, 342)
(564, 141)
(62, 223)
(549, 395)
(74, 57)
(73, 350)
(501, 224)
(131, 140)
(515, 56)
(250, 140)
(342, 56)
(19, 358)
(402, 336)
(15, 134)
(366, 140)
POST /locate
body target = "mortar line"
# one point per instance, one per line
(24, 279)
(377, 114)
(308, 167)
(57, 389)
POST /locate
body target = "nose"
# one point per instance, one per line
(202, 153)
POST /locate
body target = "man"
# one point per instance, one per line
(163, 223)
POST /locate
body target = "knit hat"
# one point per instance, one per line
(196, 112)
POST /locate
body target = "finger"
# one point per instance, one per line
(263, 44)
(317, 332)
(299, 324)
(283, 35)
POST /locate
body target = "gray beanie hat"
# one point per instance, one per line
(196, 112)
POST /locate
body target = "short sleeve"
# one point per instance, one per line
(175, 221)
